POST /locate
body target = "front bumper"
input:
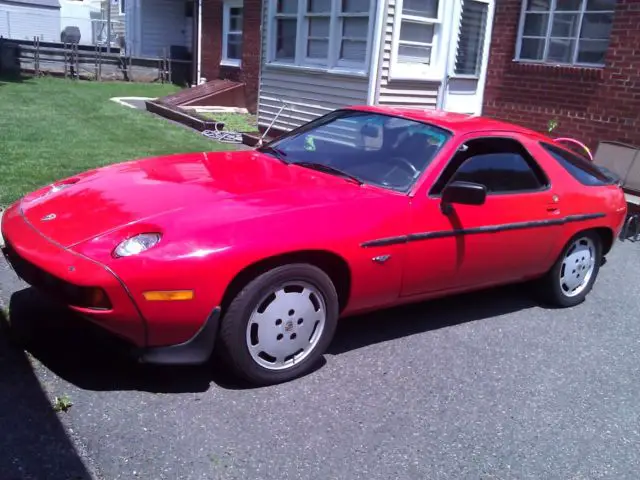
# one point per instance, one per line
(55, 270)
(61, 272)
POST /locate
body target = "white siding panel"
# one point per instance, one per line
(22, 22)
(400, 92)
(308, 95)
(163, 25)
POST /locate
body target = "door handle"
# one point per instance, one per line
(553, 207)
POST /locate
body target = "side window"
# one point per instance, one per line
(502, 165)
(580, 169)
(499, 172)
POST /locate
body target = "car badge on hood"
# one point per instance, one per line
(48, 218)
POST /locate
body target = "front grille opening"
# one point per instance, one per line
(94, 298)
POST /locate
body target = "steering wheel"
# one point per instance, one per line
(404, 164)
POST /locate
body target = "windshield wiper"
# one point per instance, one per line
(329, 169)
(276, 152)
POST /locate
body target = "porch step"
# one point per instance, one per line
(180, 115)
(219, 93)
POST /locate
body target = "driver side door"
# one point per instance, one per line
(507, 238)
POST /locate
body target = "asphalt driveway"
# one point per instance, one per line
(485, 386)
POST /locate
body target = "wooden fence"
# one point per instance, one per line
(90, 62)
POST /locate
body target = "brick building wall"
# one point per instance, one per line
(590, 104)
(249, 70)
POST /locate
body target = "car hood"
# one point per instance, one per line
(232, 185)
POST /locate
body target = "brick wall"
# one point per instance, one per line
(589, 104)
(249, 70)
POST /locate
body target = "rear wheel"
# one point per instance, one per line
(573, 275)
(280, 324)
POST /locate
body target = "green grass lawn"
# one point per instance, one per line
(52, 128)
(234, 122)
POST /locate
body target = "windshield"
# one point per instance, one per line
(376, 149)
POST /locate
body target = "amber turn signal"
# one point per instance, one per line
(168, 295)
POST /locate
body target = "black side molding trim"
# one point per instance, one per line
(383, 242)
(414, 237)
(194, 351)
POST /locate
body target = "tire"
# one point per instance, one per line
(583, 251)
(257, 346)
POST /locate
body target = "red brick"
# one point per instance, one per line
(592, 104)
(249, 70)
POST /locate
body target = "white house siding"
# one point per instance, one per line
(162, 24)
(307, 95)
(401, 93)
(133, 30)
(25, 20)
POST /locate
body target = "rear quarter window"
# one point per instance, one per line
(579, 168)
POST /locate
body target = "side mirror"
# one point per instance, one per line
(464, 193)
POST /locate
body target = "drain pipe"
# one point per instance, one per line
(199, 47)
(455, 15)
(378, 44)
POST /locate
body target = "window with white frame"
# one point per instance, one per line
(232, 33)
(574, 32)
(417, 28)
(417, 31)
(328, 34)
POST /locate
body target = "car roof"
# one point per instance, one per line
(458, 123)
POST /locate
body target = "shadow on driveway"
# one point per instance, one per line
(33, 443)
(84, 355)
(91, 359)
(385, 325)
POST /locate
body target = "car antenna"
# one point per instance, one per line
(261, 140)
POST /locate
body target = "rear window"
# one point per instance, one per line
(581, 169)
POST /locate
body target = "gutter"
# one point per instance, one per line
(455, 14)
(261, 61)
(378, 46)
(199, 45)
(484, 71)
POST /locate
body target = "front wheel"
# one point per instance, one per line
(280, 324)
(573, 275)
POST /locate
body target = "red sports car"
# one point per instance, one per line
(258, 253)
